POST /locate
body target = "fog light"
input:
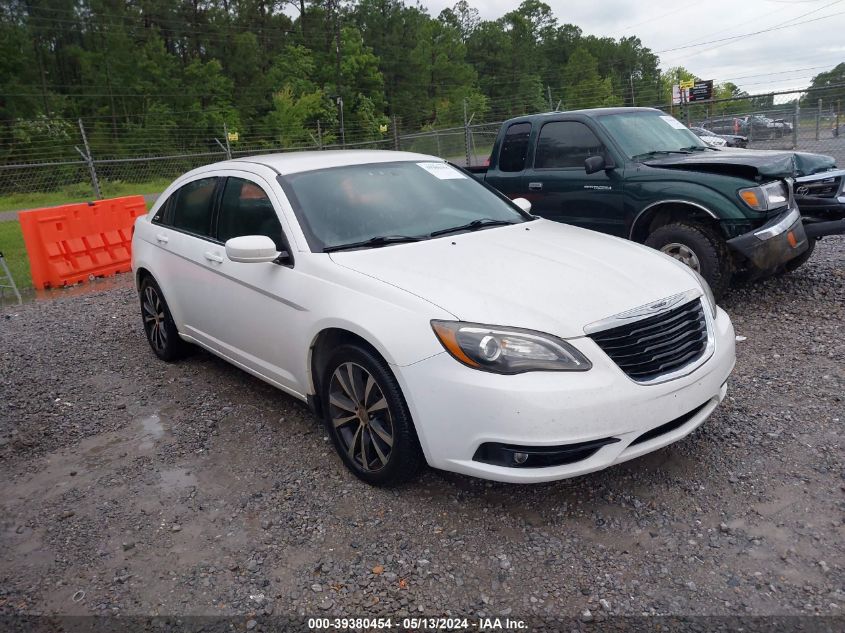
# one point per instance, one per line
(520, 458)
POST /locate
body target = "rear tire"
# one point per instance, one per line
(366, 417)
(698, 246)
(159, 327)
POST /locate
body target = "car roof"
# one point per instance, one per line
(296, 162)
(590, 112)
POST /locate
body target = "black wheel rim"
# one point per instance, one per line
(152, 309)
(361, 417)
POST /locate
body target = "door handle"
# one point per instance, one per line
(535, 186)
(213, 257)
(161, 238)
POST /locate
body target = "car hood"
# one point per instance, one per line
(540, 275)
(748, 163)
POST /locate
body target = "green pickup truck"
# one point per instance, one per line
(642, 175)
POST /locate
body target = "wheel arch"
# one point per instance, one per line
(141, 274)
(664, 212)
(319, 351)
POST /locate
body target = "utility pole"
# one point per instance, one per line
(336, 5)
(549, 89)
(466, 133)
(633, 98)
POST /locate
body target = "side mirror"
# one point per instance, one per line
(523, 204)
(594, 164)
(251, 249)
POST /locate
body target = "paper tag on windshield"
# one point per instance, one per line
(673, 122)
(442, 171)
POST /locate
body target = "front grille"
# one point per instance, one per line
(651, 347)
(826, 188)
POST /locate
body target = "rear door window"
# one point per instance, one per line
(565, 144)
(515, 147)
(190, 208)
(245, 209)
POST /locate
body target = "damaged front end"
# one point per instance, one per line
(821, 199)
(781, 238)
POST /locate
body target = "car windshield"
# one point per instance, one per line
(378, 204)
(643, 134)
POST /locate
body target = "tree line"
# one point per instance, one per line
(158, 75)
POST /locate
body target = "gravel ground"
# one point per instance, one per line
(134, 487)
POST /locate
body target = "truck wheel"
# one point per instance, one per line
(698, 247)
(797, 262)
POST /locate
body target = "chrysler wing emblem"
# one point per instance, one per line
(641, 312)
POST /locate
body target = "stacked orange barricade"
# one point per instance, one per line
(76, 242)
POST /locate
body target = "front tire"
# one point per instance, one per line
(367, 419)
(700, 248)
(159, 327)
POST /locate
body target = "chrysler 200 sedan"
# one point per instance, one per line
(426, 318)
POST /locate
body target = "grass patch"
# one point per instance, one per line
(14, 252)
(80, 192)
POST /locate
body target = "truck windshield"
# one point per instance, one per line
(374, 205)
(644, 134)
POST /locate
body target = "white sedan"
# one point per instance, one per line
(426, 318)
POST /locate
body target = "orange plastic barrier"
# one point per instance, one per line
(75, 242)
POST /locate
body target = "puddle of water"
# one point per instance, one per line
(151, 430)
(176, 478)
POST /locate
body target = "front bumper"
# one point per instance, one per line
(457, 409)
(770, 246)
(822, 216)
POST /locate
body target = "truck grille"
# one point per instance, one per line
(825, 188)
(651, 347)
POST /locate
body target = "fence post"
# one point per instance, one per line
(818, 118)
(440, 150)
(319, 135)
(795, 119)
(395, 135)
(466, 134)
(90, 160)
(226, 138)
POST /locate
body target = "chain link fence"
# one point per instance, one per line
(80, 166)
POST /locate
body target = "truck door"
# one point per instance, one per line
(560, 188)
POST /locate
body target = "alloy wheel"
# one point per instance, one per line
(154, 324)
(684, 254)
(361, 417)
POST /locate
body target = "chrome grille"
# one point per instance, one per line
(657, 345)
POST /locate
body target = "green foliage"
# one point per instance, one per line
(162, 76)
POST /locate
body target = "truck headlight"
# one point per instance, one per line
(505, 350)
(772, 195)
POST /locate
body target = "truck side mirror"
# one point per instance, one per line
(594, 164)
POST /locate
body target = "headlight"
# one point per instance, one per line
(507, 350)
(708, 292)
(765, 197)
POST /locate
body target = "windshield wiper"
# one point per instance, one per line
(697, 148)
(471, 226)
(373, 242)
(660, 152)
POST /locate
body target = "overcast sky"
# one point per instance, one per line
(782, 59)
